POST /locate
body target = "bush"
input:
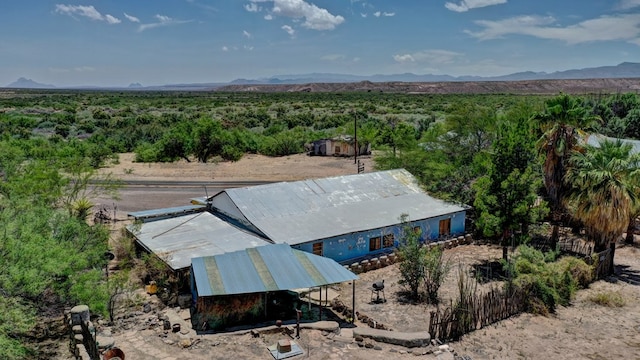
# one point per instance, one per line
(546, 283)
(609, 299)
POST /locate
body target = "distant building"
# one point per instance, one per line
(344, 218)
(338, 146)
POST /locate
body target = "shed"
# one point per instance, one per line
(343, 217)
(339, 146)
(252, 285)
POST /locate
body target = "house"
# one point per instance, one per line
(338, 146)
(344, 218)
(255, 284)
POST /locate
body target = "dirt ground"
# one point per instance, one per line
(583, 330)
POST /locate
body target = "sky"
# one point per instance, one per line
(156, 42)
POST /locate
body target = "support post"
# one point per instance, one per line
(320, 304)
(353, 301)
(355, 137)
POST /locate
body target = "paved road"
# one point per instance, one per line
(138, 195)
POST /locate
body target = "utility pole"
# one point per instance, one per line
(355, 136)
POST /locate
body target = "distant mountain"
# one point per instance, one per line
(24, 83)
(624, 70)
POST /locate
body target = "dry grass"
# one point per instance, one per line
(608, 299)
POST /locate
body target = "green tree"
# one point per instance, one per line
(603, 190)
(412, 258)
(562, 124)
(208, 139)
(506, 197)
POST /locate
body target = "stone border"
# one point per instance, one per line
(390, 259)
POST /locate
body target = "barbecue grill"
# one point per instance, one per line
(378, 287)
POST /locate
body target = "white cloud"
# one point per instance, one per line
(268, 17)
(433, 56)
(628, 4)
(363, 15)
(378, 14)
(84, 69)
(466, 5)
(86, 11)
(76, 69)
(288, 29)
(333, 57)
(252, 7)
(248, 48)
(131, 18)
(224, 48)
(403, 58)
(315, 18)
(605, 28)
(246, 34)
(112, 20)
(163, 20)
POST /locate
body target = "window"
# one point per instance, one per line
(317, 248)
(387, 241)
(445, 227)
(375, 243)
(337, 149)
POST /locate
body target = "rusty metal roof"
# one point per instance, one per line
(272, 267)
(303, 211)
(177, 239)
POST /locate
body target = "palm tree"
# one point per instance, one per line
(603, 182)
(562, 124)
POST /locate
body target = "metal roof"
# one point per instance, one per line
(178, 239)
(303, 211)
(271, 267)
(172, 211)
(596, 139)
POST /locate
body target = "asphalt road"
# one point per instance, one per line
(138, 195)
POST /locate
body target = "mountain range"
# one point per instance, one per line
(622, 70)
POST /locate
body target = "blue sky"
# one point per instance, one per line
(154, 42)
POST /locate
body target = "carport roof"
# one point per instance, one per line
(273, 267)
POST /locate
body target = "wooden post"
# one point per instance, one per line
(320, 305)
(353, 301)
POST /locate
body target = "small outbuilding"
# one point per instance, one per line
(339, 146)
(255, 285)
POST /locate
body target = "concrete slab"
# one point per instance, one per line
(410, 340)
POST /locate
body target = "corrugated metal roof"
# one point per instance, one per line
(172, 211)
(302, 211)
(178, 239)
(265, 268)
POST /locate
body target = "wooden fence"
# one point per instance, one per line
(602, 266)
(475, 312)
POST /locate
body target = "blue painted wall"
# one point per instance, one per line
(356, 245)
